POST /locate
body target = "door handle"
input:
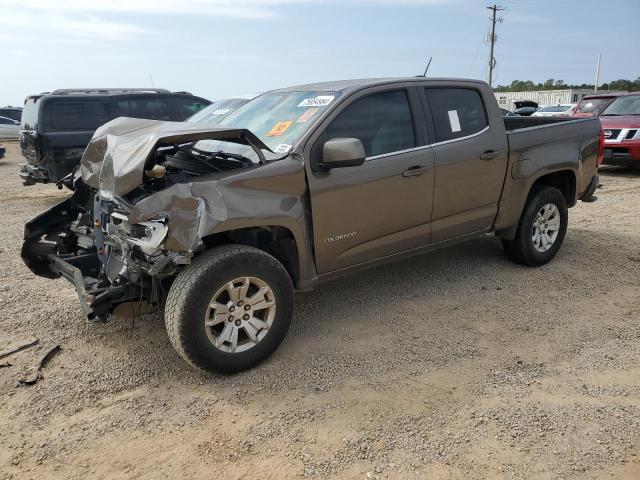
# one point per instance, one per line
(415, 171)
(489, 155)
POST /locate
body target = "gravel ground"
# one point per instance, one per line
(457, 365)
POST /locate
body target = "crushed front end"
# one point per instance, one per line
(133, 220)
(89, 242)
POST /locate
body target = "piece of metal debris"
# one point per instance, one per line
(17, 346)
(35, 374)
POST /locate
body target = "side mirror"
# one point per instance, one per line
(342, 152)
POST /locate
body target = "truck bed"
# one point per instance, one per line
(516, 123)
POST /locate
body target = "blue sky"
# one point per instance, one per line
(219, 48)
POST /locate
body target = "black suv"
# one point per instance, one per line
(57, 126)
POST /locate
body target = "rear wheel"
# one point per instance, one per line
(230, 309)
(542, 228)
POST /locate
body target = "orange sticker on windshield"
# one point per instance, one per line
(279, 129)
(306, 116)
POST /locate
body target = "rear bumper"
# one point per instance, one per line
(31, 174)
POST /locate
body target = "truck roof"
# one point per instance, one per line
(356, 84)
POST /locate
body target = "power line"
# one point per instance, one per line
(492, 39)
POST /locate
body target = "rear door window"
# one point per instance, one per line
(456, 112)
(184, 107)
(76, 115)
(154, 108)
(382, 122)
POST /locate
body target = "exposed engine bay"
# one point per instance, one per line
(90, 241)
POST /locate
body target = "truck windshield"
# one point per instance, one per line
(623, 106)
(279, 119)
(592, 105)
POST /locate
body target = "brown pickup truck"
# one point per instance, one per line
(219, 226)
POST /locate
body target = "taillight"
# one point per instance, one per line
(601, 148)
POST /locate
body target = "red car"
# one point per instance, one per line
(592, 105)
(621, 125)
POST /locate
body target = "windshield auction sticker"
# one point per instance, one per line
(282, 148)
(307, 115)
(319, 101)
(279, 129)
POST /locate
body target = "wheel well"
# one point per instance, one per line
(275, 240)
(564, 180)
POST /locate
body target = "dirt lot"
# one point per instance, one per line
(457, 364)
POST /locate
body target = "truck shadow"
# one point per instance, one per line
(621, 172)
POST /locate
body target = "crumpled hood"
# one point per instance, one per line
(115, 159)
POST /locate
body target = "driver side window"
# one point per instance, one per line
(382, 122)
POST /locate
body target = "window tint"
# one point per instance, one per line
(76, 115)
(382, 122)
(153, 108)
(456, 112)
(184, 107)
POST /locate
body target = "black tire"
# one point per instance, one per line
(193, 290)
(521, 249)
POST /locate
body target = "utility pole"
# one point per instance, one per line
(595, 88)
(492, 39)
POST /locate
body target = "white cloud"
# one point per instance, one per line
(224, 8)
(49, 25)
(65, 20)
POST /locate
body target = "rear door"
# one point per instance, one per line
(382, 207)
(470, 161)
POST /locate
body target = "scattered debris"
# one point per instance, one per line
(6, 364)
(18, 346)
(35, 374)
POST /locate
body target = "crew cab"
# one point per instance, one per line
(621, 124)
(57, 126)
(297, 187)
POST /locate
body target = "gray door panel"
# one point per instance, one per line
(467, 188)
(383, 206)
(362, 213)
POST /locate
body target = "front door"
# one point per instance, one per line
(383, 206)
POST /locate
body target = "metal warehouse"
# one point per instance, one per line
(545, 97)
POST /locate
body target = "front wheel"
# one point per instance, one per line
(542, 228)
(229, 309)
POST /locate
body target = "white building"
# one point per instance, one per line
(545, 97)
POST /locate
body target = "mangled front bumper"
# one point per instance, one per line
(95, 300)
(108, 260)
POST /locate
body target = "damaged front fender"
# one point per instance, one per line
(272, 195)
